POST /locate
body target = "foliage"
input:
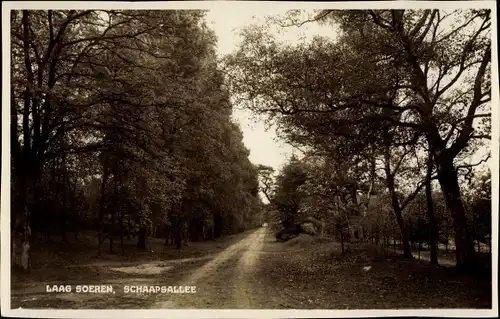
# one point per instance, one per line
(121, 120)
(479, 208)
(401, 74)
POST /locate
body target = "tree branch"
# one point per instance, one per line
(464, 136)
(379, 21)
(476, 164)
(416, 191)
(468, 48)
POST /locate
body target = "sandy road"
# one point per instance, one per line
(246, 281)
(227, 281)
(252, 270)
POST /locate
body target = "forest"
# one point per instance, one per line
(392, 115)
(121, 124)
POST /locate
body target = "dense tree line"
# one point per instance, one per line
(355, 213)
(121, 123)
(393, 101)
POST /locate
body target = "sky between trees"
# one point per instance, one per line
(253, 75)
(227, 20)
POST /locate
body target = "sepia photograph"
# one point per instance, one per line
(274, 159)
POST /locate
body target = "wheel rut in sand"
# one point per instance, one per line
(226, 281)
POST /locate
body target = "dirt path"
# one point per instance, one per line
(215, 275)
(254, 271)
(227, 281)
(246, 292)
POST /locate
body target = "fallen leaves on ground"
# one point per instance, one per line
(313, 274)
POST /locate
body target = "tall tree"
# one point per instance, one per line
(432, 81)
(139, 92)
(288, 195)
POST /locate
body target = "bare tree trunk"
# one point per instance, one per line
(110, 243)
(64, 214)
(395, 205)
(348, 233)
(167, 234)
(178, 239)
(394, 237)
(21, 248)
(122, 229)
(342, 241)
(474, 231)
(100, 240)
(129, 227)
(111, 233)
(448, 179)
(186, 232)
(141, 238)
(100, 235)
(20, 221)
(419, 249)
(433, 238)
